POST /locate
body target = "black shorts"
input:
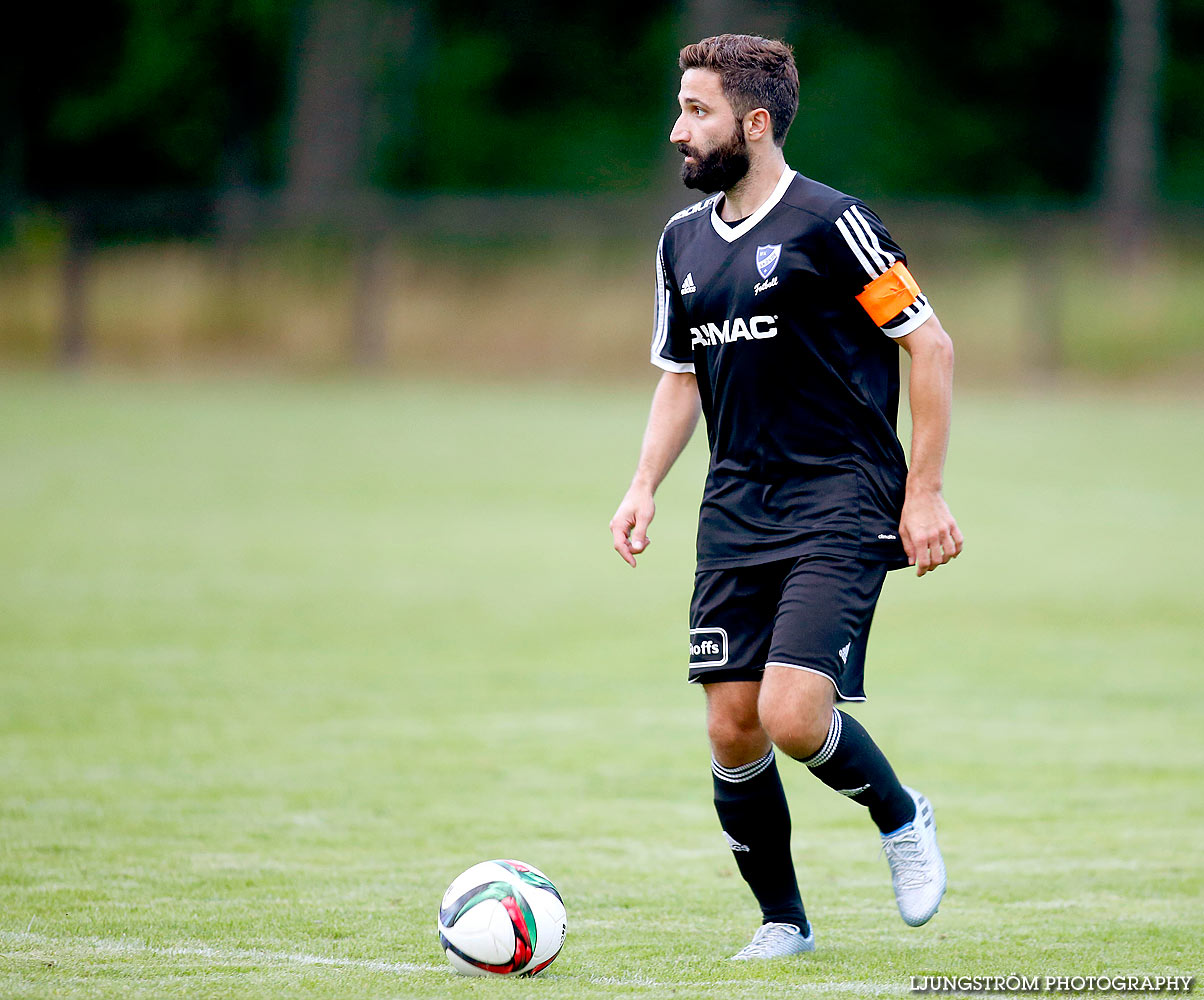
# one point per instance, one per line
(809, 613)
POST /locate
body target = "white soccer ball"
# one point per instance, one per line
(501, 918)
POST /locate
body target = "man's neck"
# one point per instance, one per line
(754, 188)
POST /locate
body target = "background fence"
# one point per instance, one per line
(427, 186)
(537, 286)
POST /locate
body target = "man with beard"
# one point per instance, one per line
(781, 305)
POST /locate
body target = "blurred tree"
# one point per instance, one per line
(1131, 131)
(526, 98)
(986, 102)
(139, 94)
(326, 134)
(11, 146)
(1182, 169)
(768, 18)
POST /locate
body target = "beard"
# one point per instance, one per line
(720, 169)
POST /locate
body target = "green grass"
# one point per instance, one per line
(279, 659)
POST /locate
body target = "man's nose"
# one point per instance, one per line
(680, 133)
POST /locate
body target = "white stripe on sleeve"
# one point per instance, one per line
(849, 239)
(890, 257)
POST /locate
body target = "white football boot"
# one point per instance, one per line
(916, 866)
(774, 940)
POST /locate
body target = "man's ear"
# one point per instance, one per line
(757, 125)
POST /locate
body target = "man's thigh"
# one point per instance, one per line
(732, 617)
(823, 619)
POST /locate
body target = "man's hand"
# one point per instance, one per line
(629, 526)
(929, 533)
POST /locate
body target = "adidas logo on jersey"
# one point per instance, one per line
(687, 286)
(757, 328)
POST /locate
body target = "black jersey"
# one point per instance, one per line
(787, 319)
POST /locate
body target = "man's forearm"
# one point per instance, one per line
(929, 533)
(931, 393)
(671, 422)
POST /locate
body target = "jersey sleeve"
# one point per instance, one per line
(670, 336)
(871, 266)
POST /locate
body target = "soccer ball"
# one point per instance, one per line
(501, 918)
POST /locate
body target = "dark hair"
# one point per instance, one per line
(755, 73)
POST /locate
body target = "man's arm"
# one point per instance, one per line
(929, 533)
(674, 414)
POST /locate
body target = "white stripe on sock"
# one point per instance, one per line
(745, 772)
(830, 744)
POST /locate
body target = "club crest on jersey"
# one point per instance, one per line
(767, 259)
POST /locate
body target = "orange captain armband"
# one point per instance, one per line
(889, 294)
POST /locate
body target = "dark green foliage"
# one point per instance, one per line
(979, 101)
(1183, 176)
(524, 99)
(136, 94)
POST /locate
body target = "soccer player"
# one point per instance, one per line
(781, 305)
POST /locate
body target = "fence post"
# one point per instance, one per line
(369, 299)
(1043, 289)
(73, 328)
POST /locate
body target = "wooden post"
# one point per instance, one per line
(369, 333)
(1043, 288)
(73, 329)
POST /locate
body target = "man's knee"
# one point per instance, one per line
(795, 707)
(733, 726)
(736, 741)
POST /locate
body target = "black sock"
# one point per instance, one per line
(756, 824)
(851, 762)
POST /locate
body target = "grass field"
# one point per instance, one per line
(278, 659)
